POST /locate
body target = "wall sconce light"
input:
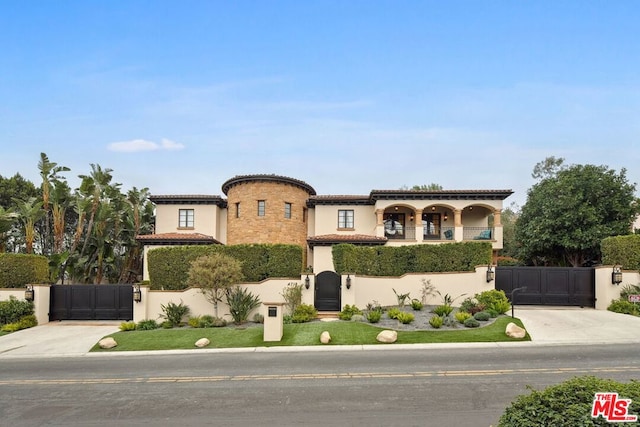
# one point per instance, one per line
(137, 293)
(446, 217)
(433, 208)
(348, 281)
(616, 275)
(491, 274)
(29, 294)
(307, 282)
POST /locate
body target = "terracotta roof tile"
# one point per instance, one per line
(358, 239)
(176, 238)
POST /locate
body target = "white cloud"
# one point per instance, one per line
(167, 144)
(136, 145)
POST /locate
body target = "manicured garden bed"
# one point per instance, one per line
(301, 334)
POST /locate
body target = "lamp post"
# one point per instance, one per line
(513, 298)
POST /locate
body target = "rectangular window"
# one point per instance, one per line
(185, 218)
(238, 210)
(287, 210)
(304, 214)
(345, 218)
(261, 207)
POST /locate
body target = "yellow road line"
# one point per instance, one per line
(327, 376)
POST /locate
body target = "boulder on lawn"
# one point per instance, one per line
(515, 331)
(387, 337)
(108, 342)
(202, 342)
(325, 338)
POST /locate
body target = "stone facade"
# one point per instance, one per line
(273, 225)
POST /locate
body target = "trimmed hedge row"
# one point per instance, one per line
(396, 261)
(169, 266)
(17, 270)
(622, 250)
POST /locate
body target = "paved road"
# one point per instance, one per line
(433, 387)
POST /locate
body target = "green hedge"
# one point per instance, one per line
(169, 266)
(17, 270)
(622, 250)
(396, 261)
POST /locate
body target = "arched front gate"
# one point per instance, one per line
(327, 291)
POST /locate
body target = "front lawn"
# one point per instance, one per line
(300, 334)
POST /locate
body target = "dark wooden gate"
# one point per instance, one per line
(91, 302)
(327, 294)
(556, 286)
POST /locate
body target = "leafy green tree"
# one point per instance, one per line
(214, 274)
(424, 187)
(508, 220)
(13, 188)
(7, 219)
(570, 210)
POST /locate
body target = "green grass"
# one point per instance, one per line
(301, 334)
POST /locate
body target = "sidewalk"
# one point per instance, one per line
(555, 326)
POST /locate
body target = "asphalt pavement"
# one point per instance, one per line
(546, 326)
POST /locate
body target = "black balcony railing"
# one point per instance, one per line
(478, 233)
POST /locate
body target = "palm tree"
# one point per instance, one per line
(49, 173)
(95, 186)
(29, 211)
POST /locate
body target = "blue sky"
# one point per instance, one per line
(349, 96)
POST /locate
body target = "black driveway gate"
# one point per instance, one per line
(91, 302)
(557, 286)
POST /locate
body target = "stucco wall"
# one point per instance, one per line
(42, 295)
(606, 291)
(326, 220)
(206, 219)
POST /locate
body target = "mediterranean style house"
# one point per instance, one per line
(278, 209)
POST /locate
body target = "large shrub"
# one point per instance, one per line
(494, 300)
(169, 267)
(622, 250)
(13, 309)
(396, 261)
(17, 270)
(567, 404)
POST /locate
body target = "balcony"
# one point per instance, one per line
(478, 233)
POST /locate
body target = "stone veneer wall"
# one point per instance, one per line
(273, 227)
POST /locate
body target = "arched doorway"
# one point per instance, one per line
(327, 291)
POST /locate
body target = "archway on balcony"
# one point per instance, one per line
(476, 222)
(399, 222)
(437, 222)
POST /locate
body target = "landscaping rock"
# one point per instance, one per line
(325, 338)
(108, 342)
(387, 337)
(202, 342)
(515, 331)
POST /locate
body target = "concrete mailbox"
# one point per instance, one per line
(273, 321)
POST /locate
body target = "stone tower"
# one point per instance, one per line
(267, 209)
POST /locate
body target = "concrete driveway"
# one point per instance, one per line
(568, 325)
(546, 326)
(67, 338)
